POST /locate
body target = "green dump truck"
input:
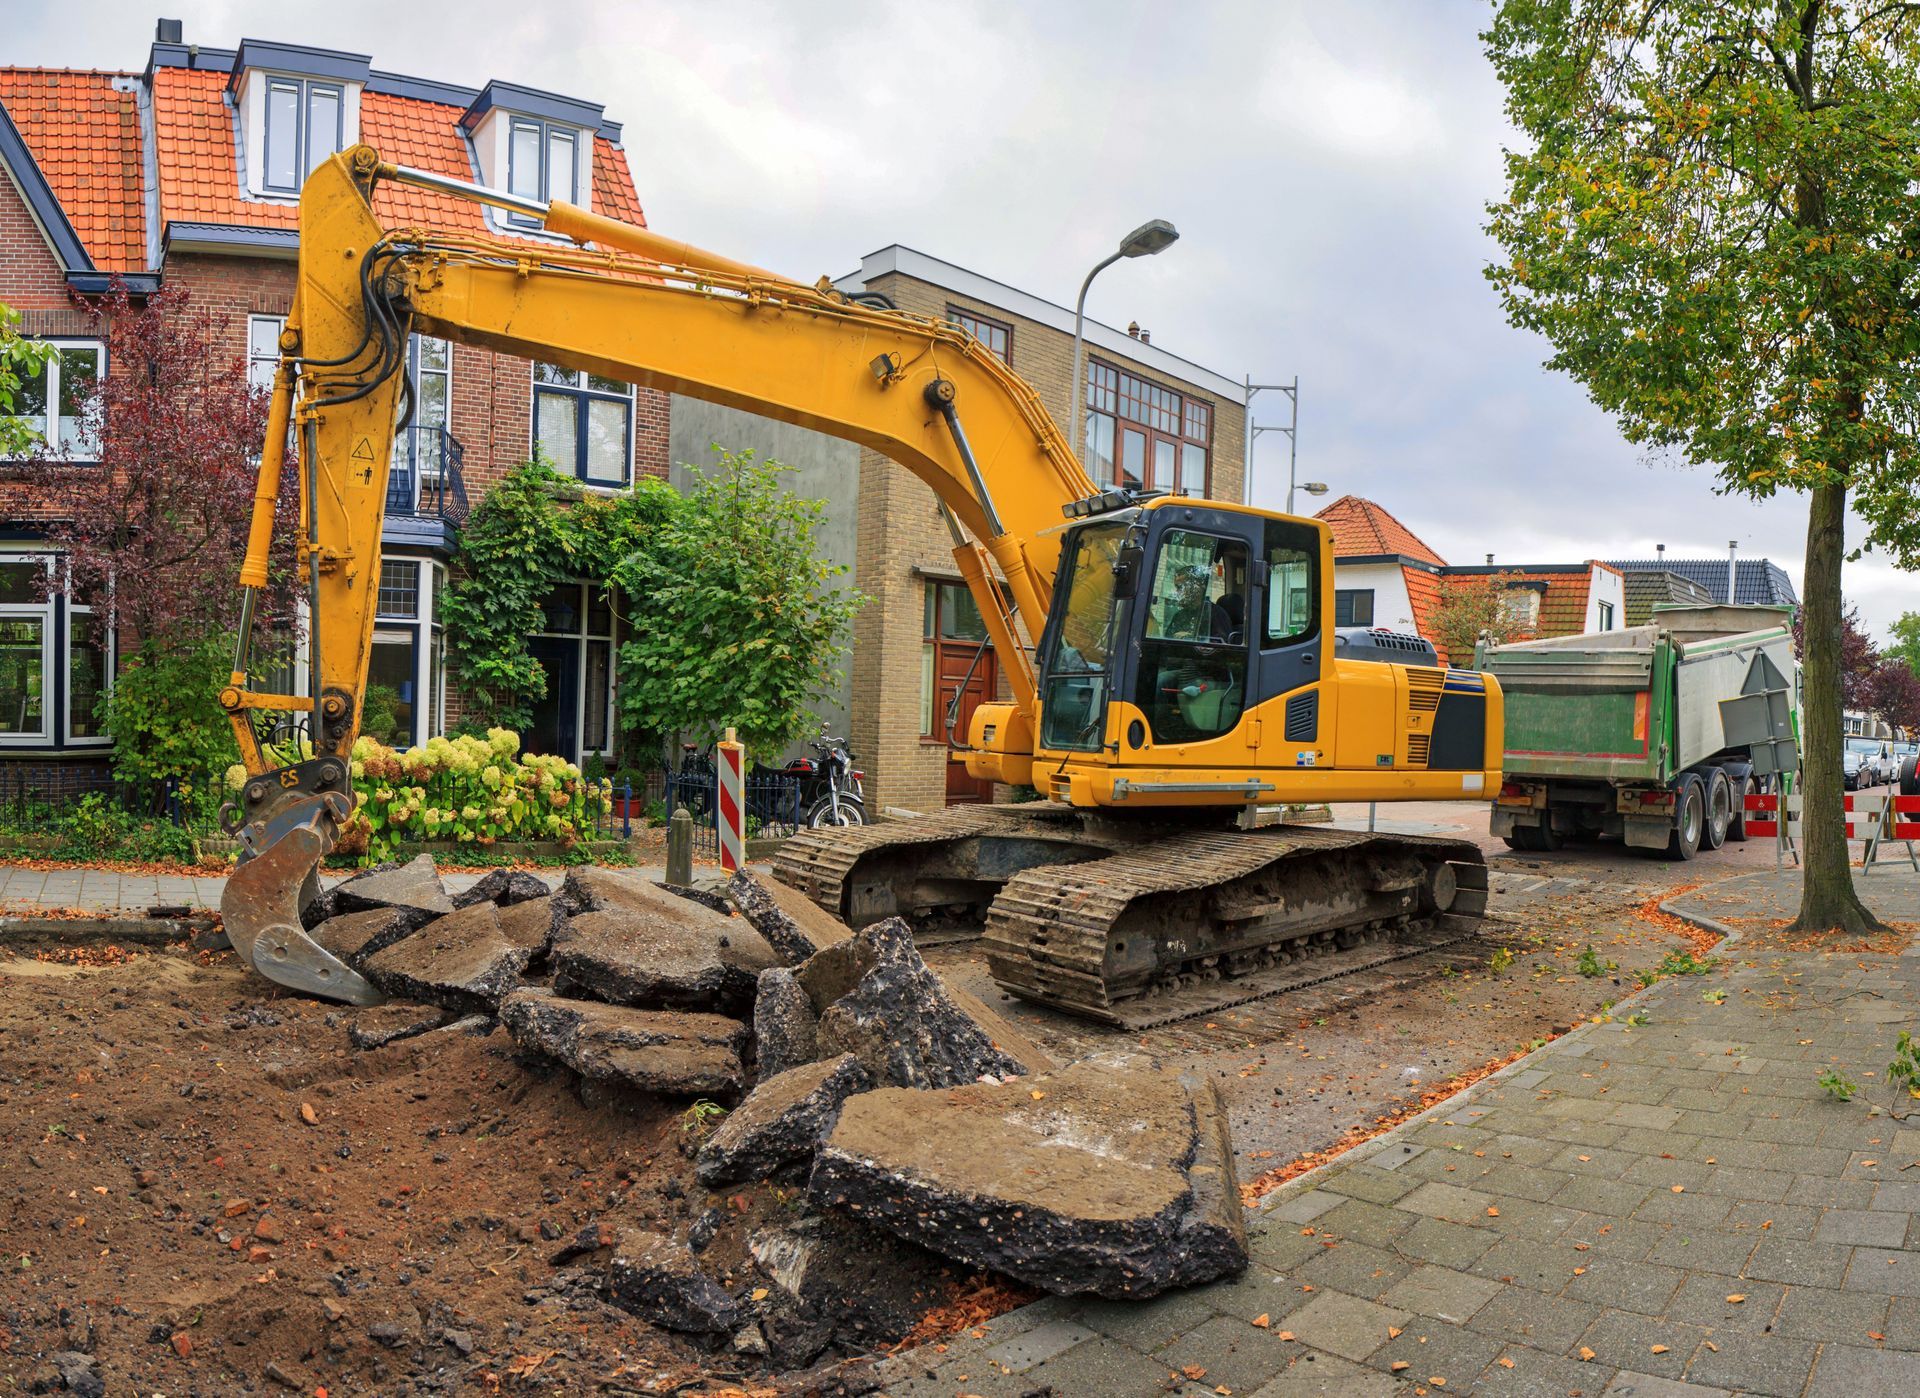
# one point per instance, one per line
(1620, 733)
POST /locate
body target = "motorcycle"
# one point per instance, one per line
(814, 792)
(833, 792)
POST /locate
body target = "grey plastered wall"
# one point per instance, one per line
(821, 468)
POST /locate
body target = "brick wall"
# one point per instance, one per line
(902, 539)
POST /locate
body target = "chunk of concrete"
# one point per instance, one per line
(795, 925)
(661, 952)
(390, 1023)
(534, 923)
(878, 1000)
(655, 1278)
(658, 1051)
(710, 898)
(591, 888)
(785, 1028)
(781, 1123)
(353, 937)
(414, 886)
(824, 1269)
(1111, 1177)
(462, 961)
(504, 887)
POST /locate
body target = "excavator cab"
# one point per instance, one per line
(1185, 614)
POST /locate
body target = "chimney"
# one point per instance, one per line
(166, 31)
(1660, 552)
(1489, 560)
(1733, 571)
(1133, 329)
(1146, 337)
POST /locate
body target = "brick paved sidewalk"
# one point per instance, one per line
(1675, 1208)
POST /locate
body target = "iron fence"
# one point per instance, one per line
(774, 803)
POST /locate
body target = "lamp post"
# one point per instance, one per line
(1292, 390)
(1146, 240)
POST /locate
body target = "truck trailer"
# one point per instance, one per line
(1620, 733)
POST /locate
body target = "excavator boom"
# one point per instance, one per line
(1185, 667)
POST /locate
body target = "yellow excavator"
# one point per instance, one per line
(1182, 673)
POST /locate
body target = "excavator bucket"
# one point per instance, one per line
(277, 877)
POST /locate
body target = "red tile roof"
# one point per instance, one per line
(1423, 595)
(1563, 595)
(200, 169)
(1361, 528)
(85, 137)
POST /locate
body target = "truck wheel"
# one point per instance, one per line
(1719, 809)
(1689, 822)
(1737, 827)
(1910, 777)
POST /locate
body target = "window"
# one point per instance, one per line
(53, 402)
(1521, 606)
(1353, 607)
(1193, 660)
(405, 666)
(575, 648)
(1293, 589)
(542, 163)
(991, 333)
(263, 349)
(399, 588)
(430, 366)
(1144, 436)
(584, 423)
(54, 666)
(305, 123)
(1606, 616)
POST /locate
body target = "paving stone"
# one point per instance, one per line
(1772, 1220)
(1848, 1371)
(1100, 1366)
(1869, 1227)
(1038, 1345)
(1446, 1244)
(1282, 1247)
(1232, 1352)
(1442, 1293)
(1629, 1286)
(1633, 1385)
(1624, 1338)
(1799, 1262)
(1682, 1210)
(1433, 1350)
(1355, 1268)
(1614, 1237)
(1520, 1371)
(1395, 1156)
(1325, 1376)
(1345, 1325)
(1524, 1262)
(1545, 1322)
(1449, 1202)
(1148, 1325)
(1885, 1270)
(1374, 1186)
(1745, 1182)
(1362, 1222)
(1702, 1300)
(1703, 1251)
(1816, 1313)
(1304, 1207)
(1769, 1364)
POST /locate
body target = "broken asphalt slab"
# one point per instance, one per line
(653, 950)
(656, 1051)
(792, 923)
(413, 887)
(781, 1123)
(505, 887)
(462, 961)
(655, 1278)
(1112, 1177)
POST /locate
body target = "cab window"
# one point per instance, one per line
(1193, 654)
(1293, 585)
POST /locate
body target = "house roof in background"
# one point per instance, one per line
(1423, 596)
(82, 128)
(1759, 581)
(1645, 589)
(1362, 528)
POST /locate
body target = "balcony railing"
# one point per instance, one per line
(426, 480)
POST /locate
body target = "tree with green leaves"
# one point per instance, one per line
(20, 361)
(1905, 646)
(738, 621)
(1712, 222)
(1471, 607)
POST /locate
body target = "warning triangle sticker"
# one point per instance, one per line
(363, 450)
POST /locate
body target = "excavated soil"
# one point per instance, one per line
(208, 1190)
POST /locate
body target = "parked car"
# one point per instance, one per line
(1868, 762)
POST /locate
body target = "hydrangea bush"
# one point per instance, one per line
(468, 791)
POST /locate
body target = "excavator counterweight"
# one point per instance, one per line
(1171, 658)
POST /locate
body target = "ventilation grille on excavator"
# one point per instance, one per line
(1423, 689)
(1419, 749)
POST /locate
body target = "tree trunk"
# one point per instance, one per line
(1827, 900)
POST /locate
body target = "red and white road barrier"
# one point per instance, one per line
(1906, 818)
(1874, 819)
(731, 809)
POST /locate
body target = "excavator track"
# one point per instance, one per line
(1197, 922)
(1138, 924)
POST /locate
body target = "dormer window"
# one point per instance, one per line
(295, 106)
(306, 122)
(543, 162)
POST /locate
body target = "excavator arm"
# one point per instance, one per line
(634, 307)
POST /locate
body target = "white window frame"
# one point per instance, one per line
(303, 90)
(43, 613)
(547, 133)
(49, 428)
(261, 368)
(79, 615)
(1605, 618)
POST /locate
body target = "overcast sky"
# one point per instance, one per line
(1327, 166)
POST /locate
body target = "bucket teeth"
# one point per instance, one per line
(262, 902)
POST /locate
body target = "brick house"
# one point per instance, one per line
(1385, 575)
(187, 174)
(1155, 420)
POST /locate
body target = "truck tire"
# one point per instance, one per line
(1689, 821)
(1737, 830)
(1910, 776)
(1719, 809)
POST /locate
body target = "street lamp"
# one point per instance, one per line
(1292, 429)
(1146, 240)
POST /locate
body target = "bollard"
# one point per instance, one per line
(680, 849)
(730, 813)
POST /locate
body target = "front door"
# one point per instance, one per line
(951, 662)
(555, 730)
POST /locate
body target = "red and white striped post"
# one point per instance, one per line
(731, 809)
